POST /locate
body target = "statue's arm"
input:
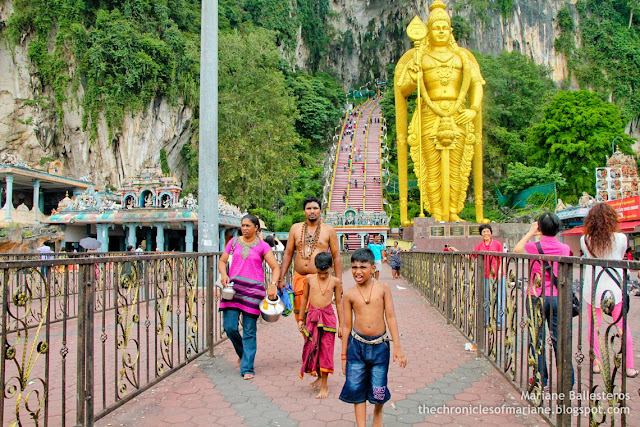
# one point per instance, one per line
(405, 75)
(476, 93)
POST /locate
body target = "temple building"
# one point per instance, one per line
(146, 212)
(618, 185)
(355, 228)
(29, 195)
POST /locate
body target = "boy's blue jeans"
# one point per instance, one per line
(245, 344)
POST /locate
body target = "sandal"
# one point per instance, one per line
(635, 373)
(596, 369)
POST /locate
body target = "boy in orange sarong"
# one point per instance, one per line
(318, 324)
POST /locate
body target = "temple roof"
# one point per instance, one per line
(143, 216)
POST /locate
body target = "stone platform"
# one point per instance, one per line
(429, 235)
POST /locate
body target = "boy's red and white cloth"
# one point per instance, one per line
(320, 330)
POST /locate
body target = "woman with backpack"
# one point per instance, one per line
(546, 295)
(603, 240)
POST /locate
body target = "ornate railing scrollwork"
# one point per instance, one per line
(127, 317)
(27, 310)
(164, 309)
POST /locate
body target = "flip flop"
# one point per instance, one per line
(634, 375)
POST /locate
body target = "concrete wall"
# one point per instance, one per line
(508, 234)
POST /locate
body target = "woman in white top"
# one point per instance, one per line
(602, 240)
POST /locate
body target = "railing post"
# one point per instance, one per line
(480, 308)
(5, 294)
(448, 283)
(209, 289)
(80, 367)
(90, 302)
(563, 362)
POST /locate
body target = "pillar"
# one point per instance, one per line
(160, 237)
(208, 215)
(149, 247)
(362, 240)
(188, 240)
(222, 230)
(103, 236)
(9, 193)
(36, 199)
(131, 236)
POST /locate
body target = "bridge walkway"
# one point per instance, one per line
(440, 372)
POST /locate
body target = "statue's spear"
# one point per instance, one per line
(417, 31)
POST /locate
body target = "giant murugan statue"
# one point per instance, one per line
(445, 133)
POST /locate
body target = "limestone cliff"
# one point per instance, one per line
(370, 34)
(530, 28)
(33, 130)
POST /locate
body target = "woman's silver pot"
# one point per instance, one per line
(228, 292)
(271, 310)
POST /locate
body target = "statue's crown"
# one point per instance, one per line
(437, 4)
(438, 12)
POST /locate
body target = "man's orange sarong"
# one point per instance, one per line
(298, 290)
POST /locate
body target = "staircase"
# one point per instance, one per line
(357, 173)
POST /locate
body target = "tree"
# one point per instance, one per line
(462, 29)
(319, 99)
(633, 6)
(515, 92)
(164, 163)
(575, 135)
(257, 116)
(520, 177)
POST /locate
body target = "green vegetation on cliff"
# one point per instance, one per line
(115, 57)
(607, 59)
(122, 53)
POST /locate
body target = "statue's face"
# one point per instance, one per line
(439, 33)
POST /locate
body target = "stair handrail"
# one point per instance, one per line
(335, 163)
(355, 129)
(366, 148)
(385, 143)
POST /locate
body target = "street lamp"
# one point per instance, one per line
(613, 150)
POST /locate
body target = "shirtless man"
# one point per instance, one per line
(306, 240)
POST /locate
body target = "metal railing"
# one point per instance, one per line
(83, 336)
(505, 305)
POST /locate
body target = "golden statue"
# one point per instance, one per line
(445, 133)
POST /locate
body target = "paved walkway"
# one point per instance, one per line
(210, 391)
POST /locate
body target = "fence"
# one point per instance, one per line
(492, 299)
(83, 336)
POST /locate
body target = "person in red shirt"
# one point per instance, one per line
(493, 275)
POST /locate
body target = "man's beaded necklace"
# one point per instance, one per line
(310, 241)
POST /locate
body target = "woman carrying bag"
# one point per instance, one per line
(603, 240)
(247, 275)
(395, 260)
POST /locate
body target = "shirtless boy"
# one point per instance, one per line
(365, 346)
(318, 324)
(306, 240)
